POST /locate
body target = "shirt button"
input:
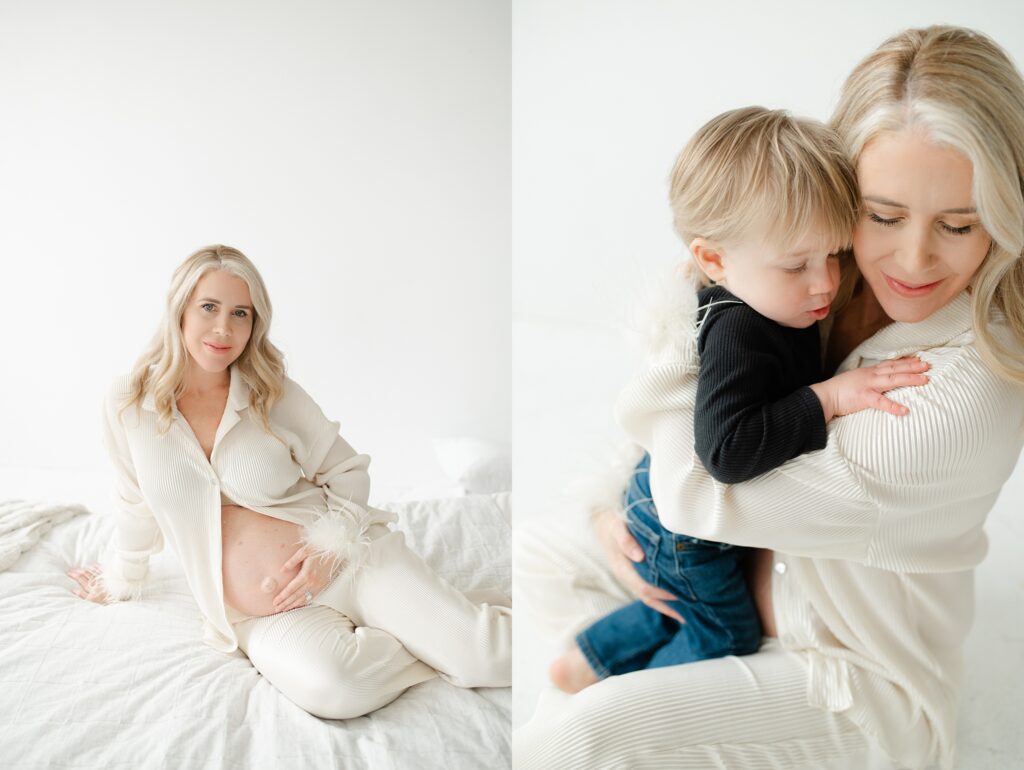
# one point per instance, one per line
(780, 567)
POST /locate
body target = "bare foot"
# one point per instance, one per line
(571, 672)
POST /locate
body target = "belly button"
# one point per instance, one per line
(269, 585)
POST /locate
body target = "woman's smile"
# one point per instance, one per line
(910, 290)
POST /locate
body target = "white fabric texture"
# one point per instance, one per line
(876, 535)
(130, 685)
(168, 491)
(23, 522)
(362, 641)
(747, 713)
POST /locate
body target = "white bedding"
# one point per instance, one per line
(131, 685)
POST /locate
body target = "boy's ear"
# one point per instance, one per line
(708, 256)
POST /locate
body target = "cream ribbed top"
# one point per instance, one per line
(166, 489)
(876, 536)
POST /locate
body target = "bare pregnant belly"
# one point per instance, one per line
(254, 547)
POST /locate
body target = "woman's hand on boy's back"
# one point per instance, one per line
(864, 388)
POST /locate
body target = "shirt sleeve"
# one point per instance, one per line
(325, 457)
(137, 534)
(740, 435)
(958, 443)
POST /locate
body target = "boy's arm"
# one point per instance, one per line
(738, 434)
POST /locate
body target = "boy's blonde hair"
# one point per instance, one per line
(964, 92)
(755, 172)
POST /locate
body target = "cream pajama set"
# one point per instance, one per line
(875, 541)
(387, 621)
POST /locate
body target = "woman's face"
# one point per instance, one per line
(919, 240)
(217, 321)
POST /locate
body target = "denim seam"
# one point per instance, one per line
(596, 665)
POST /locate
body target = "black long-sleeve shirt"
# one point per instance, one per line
(754, 410)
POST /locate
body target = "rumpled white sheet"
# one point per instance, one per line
(24, 522)
(131, 685)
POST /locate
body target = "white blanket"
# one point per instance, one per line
(131, 685)
(23, 522)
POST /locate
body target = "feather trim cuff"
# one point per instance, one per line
(116, 588)
(339, 536)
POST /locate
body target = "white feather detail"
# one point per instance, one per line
(339, 535)
(666, 318)
(117, 589)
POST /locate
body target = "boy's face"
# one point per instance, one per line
(793, 285)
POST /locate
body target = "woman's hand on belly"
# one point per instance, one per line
(255, 554)
(310, 573)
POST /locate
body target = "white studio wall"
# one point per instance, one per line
(358, 153)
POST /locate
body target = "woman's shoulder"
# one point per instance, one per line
(295, 403)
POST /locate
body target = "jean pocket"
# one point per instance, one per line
(714, 577)
(649, 542)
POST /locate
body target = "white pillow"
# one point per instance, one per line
(477, 466)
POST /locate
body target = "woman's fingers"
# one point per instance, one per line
(294, 594)
(664, 609)
(296, 558)
(627, 543)
(84, 576)
(285, 599)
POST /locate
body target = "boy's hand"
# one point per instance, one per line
(862, 388)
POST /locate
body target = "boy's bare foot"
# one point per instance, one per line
(571, 672)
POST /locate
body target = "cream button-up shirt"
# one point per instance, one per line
(167, 491)
(876, 536)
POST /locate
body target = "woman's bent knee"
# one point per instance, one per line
(485, 658)
(343, 701)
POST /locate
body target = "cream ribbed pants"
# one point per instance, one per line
(734, 712)
(363, 640)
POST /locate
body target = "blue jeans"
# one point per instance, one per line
(707, 578)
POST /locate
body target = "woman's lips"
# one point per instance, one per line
(215, 349)
(910, 290)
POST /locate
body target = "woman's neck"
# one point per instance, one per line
(860, 318)
(199, 382)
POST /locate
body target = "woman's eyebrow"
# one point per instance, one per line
(894, 204)
(217, 302)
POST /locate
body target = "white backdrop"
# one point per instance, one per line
(605, 94)
(358, 153)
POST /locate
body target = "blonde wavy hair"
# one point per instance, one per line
(763, 173)
(162, 366)
(963, 90)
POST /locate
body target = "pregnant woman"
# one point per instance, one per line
(866, 593)
(217, 451)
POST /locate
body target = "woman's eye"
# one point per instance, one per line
(882, 220)
(206, 305)
(957, 230)
(795, 269)
(241, 313)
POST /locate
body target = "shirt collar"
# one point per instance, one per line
(949, 322)
(238, 394)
